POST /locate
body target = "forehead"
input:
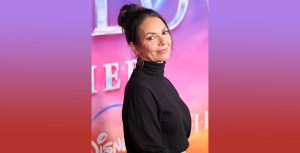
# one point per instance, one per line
(152, 24)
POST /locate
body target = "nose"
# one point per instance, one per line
(162, 41)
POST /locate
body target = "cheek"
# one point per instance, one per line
(148, 47)
(169, 40)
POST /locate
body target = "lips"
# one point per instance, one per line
(163, 51)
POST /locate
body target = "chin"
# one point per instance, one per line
(164, 58)
(167, 56)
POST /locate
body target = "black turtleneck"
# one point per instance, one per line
(155, 119)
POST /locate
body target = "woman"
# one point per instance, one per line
(155, 119)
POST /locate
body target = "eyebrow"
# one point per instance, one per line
(153, 33)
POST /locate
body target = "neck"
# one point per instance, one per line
(150, 68)
(144, 59)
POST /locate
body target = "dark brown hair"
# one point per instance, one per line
(131, 17)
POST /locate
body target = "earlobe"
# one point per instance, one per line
(134, 48)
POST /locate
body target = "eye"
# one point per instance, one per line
(150, 38)
(165, 32)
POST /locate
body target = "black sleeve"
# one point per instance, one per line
(142, 128)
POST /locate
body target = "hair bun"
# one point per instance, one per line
(126, 12)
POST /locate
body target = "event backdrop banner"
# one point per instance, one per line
(113, 63)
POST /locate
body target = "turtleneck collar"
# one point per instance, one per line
(150, 68)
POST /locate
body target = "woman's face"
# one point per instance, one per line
(155, 40)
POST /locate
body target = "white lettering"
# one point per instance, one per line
(101, 14)
(110, 75)
(130, 65)
(109, 147)
(196, 123)
(93, 79)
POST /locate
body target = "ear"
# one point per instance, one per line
(134, 48)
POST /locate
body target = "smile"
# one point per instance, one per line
(163, 51)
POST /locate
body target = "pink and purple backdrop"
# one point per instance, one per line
(253, 76)
(113, 61)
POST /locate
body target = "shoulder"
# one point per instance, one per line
(137, 89)
(139, 97)
(138, 83)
